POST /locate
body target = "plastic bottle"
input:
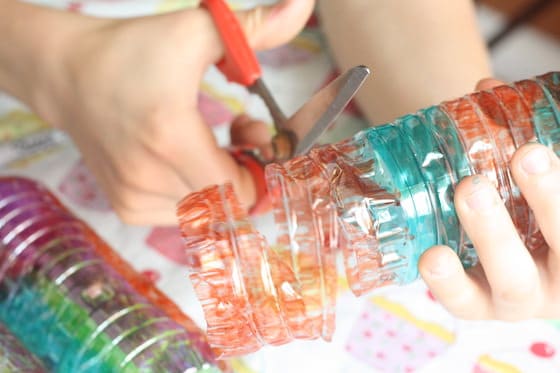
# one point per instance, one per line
(382, 197)
(75, 304)
(14, 358)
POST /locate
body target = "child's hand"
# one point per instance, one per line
(509, 283)
(126, 91)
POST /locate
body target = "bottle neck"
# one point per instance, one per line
(379, 198)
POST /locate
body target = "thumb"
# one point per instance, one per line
(273, 25)
(487, 83)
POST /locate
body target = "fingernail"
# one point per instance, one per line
(483, 197)
(277, 9)
(242, 120)
(536, 161)
(439, 270)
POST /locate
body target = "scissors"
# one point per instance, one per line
(294, 135)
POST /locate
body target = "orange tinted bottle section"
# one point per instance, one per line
(381, 198)
(251, 294)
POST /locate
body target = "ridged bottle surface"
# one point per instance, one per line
(382, 197)
(14, 357)
(75, 304)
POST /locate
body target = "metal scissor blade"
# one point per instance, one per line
(317, 114)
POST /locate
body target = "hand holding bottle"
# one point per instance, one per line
(510, 282)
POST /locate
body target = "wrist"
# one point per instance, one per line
(33, 50)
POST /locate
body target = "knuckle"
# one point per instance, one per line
(128, 177)
(134, 172)
(127, 202)
(123, 204)
(515, 294)
(463, 308)
(128, 209)
(124, 199)
(122, 212)
(160, 133)
(549, 183)
(469, 315)
(465, 187)
(512, 316)
(128, 217)
(466, 304)
(252, 20)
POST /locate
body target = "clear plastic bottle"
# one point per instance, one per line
(14, 358)
(75, 304)
(382, 197)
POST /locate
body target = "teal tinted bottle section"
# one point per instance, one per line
(400, 235)
(14, 357)
(419, 159)
(74, 309)
(547, 112)
(54, 343)
(382, 198)
(403, 175)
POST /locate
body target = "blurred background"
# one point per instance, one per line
(523, 35)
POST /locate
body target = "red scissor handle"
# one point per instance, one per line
(256, 169)
(239, 63)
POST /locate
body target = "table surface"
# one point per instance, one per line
(396, 329)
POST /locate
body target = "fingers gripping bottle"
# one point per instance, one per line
(75, 304)
(382, 197)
